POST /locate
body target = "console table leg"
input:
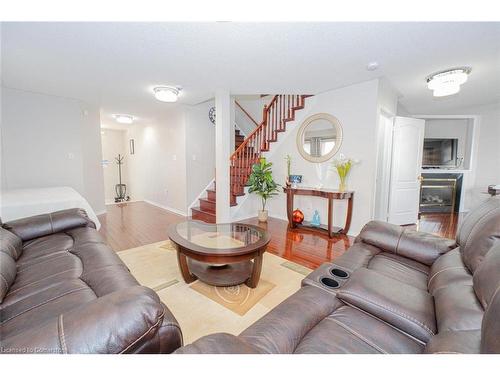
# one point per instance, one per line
(349, 216)
(289, 209)
(186, 275)
(257, 268)
(330, 217)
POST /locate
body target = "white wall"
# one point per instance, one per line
(114, 142)
(51, 141)
(356, 108)
(157, 170)
(200, 150)
(387, 107)
(488, 156)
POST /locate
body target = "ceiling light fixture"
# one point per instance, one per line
(124, 119)
(447, 82)
(168, 94)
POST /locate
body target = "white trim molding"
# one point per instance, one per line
(171, 209)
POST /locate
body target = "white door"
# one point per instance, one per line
(407, 148)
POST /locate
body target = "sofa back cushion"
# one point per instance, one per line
(7, 273)
(45, 224)
(422, 247)
(486, 279)
(10, 244)
(479, 231)
(487, 287)
(490, 330)
(10, 250)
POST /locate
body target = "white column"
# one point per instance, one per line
(224, 130)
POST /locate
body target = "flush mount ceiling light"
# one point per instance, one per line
(448, 81)
(124, 119)
(168, 94)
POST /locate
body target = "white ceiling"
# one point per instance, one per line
(116, 64)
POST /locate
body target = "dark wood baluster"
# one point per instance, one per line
(289, 107)
(276, 119)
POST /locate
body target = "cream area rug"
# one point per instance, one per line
(203, 309)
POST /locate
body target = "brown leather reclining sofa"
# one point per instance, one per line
(62, 290)
(394, 291)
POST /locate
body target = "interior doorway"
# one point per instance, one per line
(115, 155)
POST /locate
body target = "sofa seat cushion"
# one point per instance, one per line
(457, 308)
(348, 330)
(401, 269)
(403, 306)
(282, 329)
(448, 270)
(43, 306)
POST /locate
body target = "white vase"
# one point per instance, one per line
(262, 215)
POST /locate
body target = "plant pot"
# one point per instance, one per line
(262, 215)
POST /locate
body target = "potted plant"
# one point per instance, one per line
(261, 183)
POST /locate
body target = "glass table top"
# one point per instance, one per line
(219, 236)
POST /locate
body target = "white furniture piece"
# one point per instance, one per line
(19, 203)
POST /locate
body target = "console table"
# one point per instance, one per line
(328, 194)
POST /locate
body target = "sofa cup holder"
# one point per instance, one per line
(341, 274)
(329, 282)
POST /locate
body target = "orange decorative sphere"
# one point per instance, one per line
(298, 216)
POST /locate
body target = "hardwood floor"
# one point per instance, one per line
(444, 225)
(303, 247)
(129, 225)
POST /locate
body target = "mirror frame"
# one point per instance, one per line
(300, 137)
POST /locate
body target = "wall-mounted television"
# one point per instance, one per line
(440, 152)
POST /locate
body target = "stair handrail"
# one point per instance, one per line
(246, 113)
(274, 117)
(249, 137)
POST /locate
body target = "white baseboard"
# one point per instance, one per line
(171, 209)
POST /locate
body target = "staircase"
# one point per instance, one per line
(249, 150)
(206, 210)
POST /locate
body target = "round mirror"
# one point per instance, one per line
(319, 137)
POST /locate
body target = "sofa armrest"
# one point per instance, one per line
(32, 227)
(218, 343)
(455, 342)
(420, 246)
(125, 321)
(401, 305)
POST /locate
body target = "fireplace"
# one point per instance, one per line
(440, 192)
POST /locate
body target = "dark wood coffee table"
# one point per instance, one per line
(219, 254)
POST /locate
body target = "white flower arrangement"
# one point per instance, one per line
(343, 166)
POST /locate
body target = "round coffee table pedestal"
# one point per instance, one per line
(221, 275)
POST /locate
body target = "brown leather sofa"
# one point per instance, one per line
(394, 291)
(62, 290)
